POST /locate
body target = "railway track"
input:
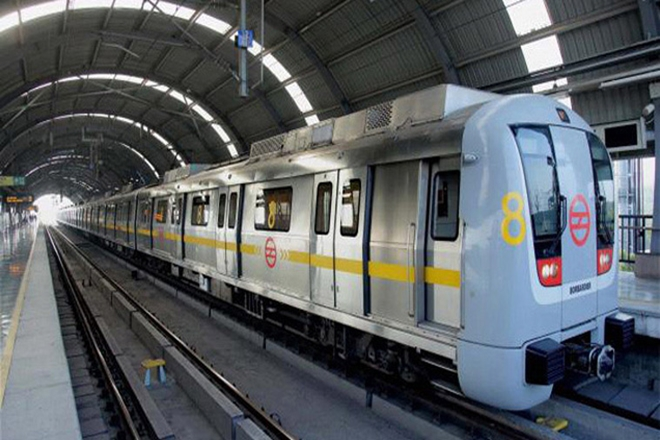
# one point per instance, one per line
(130, 423)
(269, 425)
(434, 405)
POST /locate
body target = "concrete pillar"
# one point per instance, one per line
(648, 265)
(655, 236)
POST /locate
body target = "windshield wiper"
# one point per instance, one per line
(601, 219)
(563, 222)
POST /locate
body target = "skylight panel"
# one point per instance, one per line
(213, 23)
(542, 54)
(144, 159)
(129, 79)
(549, 85)
(276, 68)
(178, 96)
(99, 76)
(128, 4)
(42, 10)
(42, 86)
(232, 150)
(299, 97)
(168, 8)
(255, 49)
(124, 120)
(527, 15)
(160, 138)
(8, 21)
(161, 88)
(67, 79)
(311, 120)
(201, 112)
(566, 101)
(89, 4)
(221, 132)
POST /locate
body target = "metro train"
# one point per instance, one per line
(450, 229)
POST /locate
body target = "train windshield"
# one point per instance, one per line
(541, 178)
(604, 191)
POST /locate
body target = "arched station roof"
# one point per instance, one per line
(156, 80)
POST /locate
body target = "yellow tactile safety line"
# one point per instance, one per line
(8, 352)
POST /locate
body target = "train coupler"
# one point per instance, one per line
(595, 359)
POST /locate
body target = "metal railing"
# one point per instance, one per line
(634, 236)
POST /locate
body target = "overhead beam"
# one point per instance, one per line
(432, 39)
(64, 145)
(296, 38)
(13, 141)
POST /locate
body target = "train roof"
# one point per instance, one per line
(350, 140)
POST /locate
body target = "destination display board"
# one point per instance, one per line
(12, 180)
(23, 198)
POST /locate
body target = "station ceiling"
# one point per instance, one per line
(96, 94)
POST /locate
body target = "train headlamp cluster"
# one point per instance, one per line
(605, 257)
(549, 270)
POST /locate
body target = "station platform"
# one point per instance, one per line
(640, 297)
(36, 397)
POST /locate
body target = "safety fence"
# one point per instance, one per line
(634, 236)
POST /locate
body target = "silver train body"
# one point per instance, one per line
(457, 224)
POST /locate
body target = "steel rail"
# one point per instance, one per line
(272, 427)
(82, 313)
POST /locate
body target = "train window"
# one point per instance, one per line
(323, 208)
(200, 211)
(605, 212)
(128, 211)
(542, 188)
(273, 209)
(350, 208)
(145, 215)
(445, 205)
(222, 205)
(161, 211)
(233, 210)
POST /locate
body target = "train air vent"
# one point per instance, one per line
(544, 362)
(619, 331)
(267, 146)
(379, 116)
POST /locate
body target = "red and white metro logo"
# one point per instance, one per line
(579, 220)
(270, 253)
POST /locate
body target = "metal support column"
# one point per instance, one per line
(242, 53)
(655, 234)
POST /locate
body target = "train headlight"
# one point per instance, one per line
(549, 270)
(604, 260)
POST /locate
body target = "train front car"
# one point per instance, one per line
(540, 283)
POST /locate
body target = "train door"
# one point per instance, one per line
(233, 231)
(578, 242)
(160, 242)
(200, 245)
(321, 244)
(174, 235)
(397, 225)
(130, 223)
(349, 249)
(443, 246)
(143, 224)
(221, 230)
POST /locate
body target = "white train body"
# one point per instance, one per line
(451, 222)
